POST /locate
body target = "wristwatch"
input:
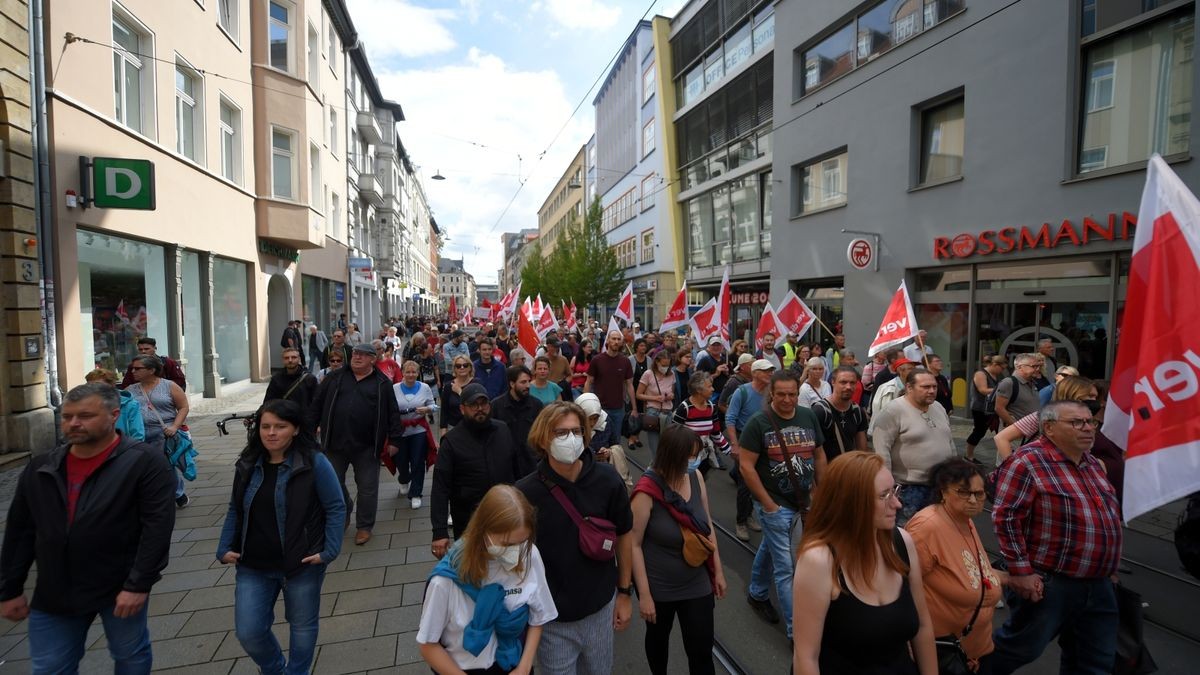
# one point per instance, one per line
(627, 590)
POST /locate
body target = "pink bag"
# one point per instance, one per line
(597, 536)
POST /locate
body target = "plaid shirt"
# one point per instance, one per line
(1054, 516)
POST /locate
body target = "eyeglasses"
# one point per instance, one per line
(141, 368)
(929, 420)
(978, 495)
(1082, 423)
(562, 434)
(462, 365)
(894, 492)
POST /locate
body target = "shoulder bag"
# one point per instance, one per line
(597, 536)
(287, 394)
(180, 451)
(652, 422)
(802, 480)
(952, 660)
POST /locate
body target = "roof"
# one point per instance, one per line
(339, 15)
(629, 45)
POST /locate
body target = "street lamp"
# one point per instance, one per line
(437, 175)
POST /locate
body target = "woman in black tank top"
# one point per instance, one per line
(859, 606)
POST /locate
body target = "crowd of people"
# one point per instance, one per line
(543, 536)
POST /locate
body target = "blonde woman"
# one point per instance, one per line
(813, 386)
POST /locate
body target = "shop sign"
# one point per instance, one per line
(359, 263)
(749, 297)
(646, 285)
(278, 250)
(339, 293)
(1011, 239)
(123, 183)
(860, 253)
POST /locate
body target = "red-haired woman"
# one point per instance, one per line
(864, 604)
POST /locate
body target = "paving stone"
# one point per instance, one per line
(346, 627)
(203, 533)
(165, 625)
(178, 534)
(188, 580)
(398, 620)
(358, 655)
(205, 546)
(406, 574)
(186, 651)
(350, 602)
(164, 603)
(213, 668)
(232, 649)
(422, 538)
(420, 554)
(199, 520)
(229, 576)
(389, 526)
(407, 649)
(421, 524)
(19, 651)
(244, 666)
(217, 620)
(379, 542)
(367, 559)
(414, 594)
(220, 596)
(190, 563)
(7, 642)
(354, 580)
(420, 668)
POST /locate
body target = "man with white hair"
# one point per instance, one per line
(1017, 394)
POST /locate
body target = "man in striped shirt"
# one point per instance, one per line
(1057, 520)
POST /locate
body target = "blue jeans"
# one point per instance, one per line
(410, 463)
(612, 429)
(774, 558)
(56, 642)
(254, 612)
(913, 498)
(1081, 612)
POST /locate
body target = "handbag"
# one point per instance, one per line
(951, 658)
(1133, 658)
(696, 548)
(597, 536)
(180, 451)
(802, 481)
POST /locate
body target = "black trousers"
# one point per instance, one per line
(982, 420)
(696, 627)
(745, 503)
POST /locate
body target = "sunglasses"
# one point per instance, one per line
(462, 365)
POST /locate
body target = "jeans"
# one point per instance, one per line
(56, 642)
(366, 480)
(774, 558)
(410, 463)
(612, 429)
(254, 612)
(913, 498)
(155, 435)
(1081, 612)
(696, 628)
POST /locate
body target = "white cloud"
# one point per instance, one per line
(589, 14)
(483, 99)
(398, 28)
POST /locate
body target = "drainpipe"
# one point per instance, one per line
(42, 205)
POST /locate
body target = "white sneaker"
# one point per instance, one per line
(416, 502)
(404, 488)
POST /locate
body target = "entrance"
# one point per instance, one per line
(279, 312)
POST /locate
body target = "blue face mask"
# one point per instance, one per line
(694, 464)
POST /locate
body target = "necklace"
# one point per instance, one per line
(983, 578)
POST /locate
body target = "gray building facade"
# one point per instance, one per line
(997, 149)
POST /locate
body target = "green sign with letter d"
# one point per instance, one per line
(123, 183)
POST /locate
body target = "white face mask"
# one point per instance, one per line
(567, 450)
(508, 556)
(600, 422)
(664, 369)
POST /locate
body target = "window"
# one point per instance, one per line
(132, 75)
(189, 113)
(1100, 15)
(738, 47)
(649, 188)
(335, 216)
(314, 58)
(316, 197)
(648, 246)
(283, 163)
(1152, 61)
(231, 142)
(764, 28)
(279, 30)
(332, 48)
(648, 137)
(829, 59)
(822, 184)
(942, 140)
(648, 83)
(228, 14)
(333, 130)
(626, 252)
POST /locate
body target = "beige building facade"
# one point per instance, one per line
(564, 206)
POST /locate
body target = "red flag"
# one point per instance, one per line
(569, 319)
(526, 335)
(537, 307)
(793, 316)
(769, 323)
(704, 322)
(121, 311)
(625, 305)
(899, 323)
(545, 323)
(724, 318)
(677, 316)
(1153, 401)
(527, 309)
(453, 311)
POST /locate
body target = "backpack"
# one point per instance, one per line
(1187, 535)
(989, 406)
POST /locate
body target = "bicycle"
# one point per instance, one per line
(249, 420)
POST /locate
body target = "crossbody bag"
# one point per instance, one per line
(597, 536)
(952, 660)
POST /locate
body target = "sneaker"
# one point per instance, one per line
(404, 488)
(764, 609)
(416, 502)
(182, 501)
(753, 524)
(742, 532)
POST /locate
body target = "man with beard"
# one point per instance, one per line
(293, 383)
(473, 456)
(488, 370)
(518, 410)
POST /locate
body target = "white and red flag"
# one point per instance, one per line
(704, 322)
(467, 319)
(569, 319)
(793, 316)
(537, 308)
(724, 317)
(677, 316)
(1154, 401)
(899, 323)
(526, 334)
(545, 323)
(768, 323)
(527, 309)
(624, 309)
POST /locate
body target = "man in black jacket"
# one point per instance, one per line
(96, 514)
(356, 414)
(518, 410)
(294, 383)
(473, 456)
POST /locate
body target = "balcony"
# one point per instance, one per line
(286, 223)
(368, 128)
(368, 188)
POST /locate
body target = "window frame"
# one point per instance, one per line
(921, 113)
(797, 209)
(235, 134)
(312, 51)
(197, 103)
(143, 60)
(333, 130)
(331, 46)
(291, 153)
(648, 193)
(316, 193)
(646, 258)
(649, 83)
(649, 148)
(290, 27)
(232, 29)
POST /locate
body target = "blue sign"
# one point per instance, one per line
(339, 292)
(359, 263)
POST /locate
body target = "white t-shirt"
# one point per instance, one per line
(809, 396)
(447, 610)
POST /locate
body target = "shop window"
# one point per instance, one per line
(821, 184)
(231, 319)
(231, 141)
(193, 345)
(942, 141)
(1132, 125)
(122, 297)
(228, 17)
(279, 31)
(283, 163)
(133, 73)
(189, 112)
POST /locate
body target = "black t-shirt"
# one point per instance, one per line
(357, 413)
(638, 370)
(849, 423)
(580, 586)
(264, 548)
(705, 362)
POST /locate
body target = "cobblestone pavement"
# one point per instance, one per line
(370, 603)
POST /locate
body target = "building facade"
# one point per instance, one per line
(516, 247)
(565, 206)
(488, 292)
(720, 100)
(892, 121)
(454, 281)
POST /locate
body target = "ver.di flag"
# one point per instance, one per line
(526, 335)
(899, 323)
(624, 309)
(794, 316)
(1154, 404)
(705, 322)
(768, 323)
(676, 316)
(545, 323)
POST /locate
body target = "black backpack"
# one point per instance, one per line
(989, 407)
(1187, 536)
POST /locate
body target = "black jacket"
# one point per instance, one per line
(120, 538)
(303, 393)
(387, 419)
(519, 416)
(469, 463)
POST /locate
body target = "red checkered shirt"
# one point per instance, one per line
(1052, 515)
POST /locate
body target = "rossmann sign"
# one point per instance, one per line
(1025, 238)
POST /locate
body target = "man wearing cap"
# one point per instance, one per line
(892, 389)
(741, 375)
(746, 400)
(789, 350)
(455, 347)
(712, 360)
(474, 456)
(356, 412)
(610, 378)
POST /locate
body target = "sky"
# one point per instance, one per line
(486, 85)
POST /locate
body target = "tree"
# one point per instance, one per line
(582, 269)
